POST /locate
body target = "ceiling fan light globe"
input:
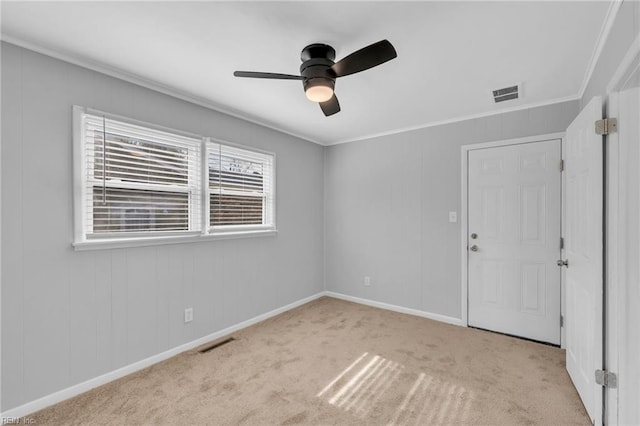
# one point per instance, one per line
(319, 93)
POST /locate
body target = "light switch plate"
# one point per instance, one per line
(188, 315)
(453, 217)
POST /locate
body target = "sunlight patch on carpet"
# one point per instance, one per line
(359, 386)
(434, 401)
(429, 400)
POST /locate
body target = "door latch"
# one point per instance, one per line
(561, 263)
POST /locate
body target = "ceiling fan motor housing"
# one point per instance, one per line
(318, 50)
(316, 66)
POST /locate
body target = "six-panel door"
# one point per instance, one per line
(515, 213)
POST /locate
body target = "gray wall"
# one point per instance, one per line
(386, 208)
(625, 29)
(70, 316)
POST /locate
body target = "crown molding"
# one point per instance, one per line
(206, 103)
(146, 83)
(460, 118)
(629, 64)
(605, 30)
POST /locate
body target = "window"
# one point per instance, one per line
(139, 183)
(240, 188)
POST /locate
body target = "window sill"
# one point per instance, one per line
(157, 241)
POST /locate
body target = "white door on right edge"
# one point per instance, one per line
(514, 214)
(583, 252)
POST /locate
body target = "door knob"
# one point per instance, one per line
(563, 263)
(474, 248)
(474, 236)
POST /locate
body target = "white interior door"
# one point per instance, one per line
(583, 252)
(514, 209)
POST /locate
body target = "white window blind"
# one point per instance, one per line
(241, 188)
(139, 181)
(141, 184)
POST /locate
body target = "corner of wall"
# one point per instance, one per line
(324, 218)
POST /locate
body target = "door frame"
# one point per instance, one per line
(615, 250)
(464, 220)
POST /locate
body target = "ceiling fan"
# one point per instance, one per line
(319, 71)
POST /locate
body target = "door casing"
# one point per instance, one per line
(464, 220)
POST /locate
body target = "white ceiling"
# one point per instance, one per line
(450, 54)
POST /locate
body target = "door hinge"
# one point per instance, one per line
(561, 243)
(561, 321)
(606, 379)
(606, 126)
(562, 165)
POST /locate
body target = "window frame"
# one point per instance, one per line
(191, 188)
(268, 210)
(83, 240)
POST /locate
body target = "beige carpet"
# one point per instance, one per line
(335, 362)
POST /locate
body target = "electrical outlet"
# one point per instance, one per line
(188, 315)
(367, 281)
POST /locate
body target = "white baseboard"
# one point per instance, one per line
(395, 308)
(59, 396)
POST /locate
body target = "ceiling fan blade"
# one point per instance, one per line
(330, 107)
(271, 75)
(365, 58)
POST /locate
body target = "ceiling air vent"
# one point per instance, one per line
(506, 93)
